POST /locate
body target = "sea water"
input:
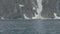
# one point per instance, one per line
(47, 26)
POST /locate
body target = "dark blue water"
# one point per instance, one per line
(30, 26)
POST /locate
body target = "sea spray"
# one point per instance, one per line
(39, 10)
(56, 16)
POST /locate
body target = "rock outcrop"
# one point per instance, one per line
(50, 7)
(10, 8)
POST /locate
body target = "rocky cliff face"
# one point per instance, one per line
(50, 7)
(7, 8)
(10, 9)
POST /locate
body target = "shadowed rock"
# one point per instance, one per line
(10, 8)
(28, 8)
(49, 8)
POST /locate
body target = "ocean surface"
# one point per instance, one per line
(38, 26)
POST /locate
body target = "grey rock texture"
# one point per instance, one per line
(7, 8)
(10, 8)
(28, 8)
(50, 7)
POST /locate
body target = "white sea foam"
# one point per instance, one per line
(39, 10)
(56, 16)
(26, 17)
(2, 18)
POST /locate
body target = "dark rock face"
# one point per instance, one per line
(28, 8)
(50, 7)
(10, 8)
(7, 8)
